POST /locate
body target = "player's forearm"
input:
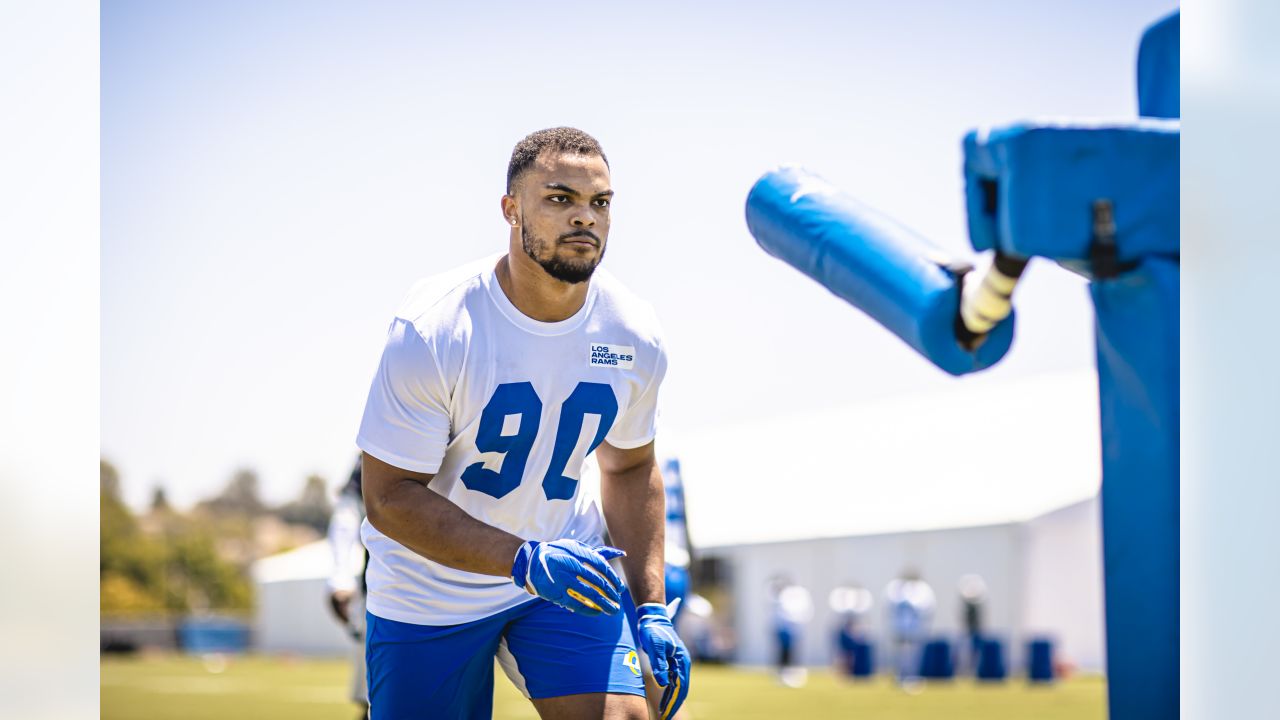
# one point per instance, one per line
(435, 528)
(635, 508)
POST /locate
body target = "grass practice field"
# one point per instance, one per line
(248, 688)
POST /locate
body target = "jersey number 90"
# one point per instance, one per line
(520, 399)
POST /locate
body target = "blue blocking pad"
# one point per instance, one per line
(1030, 187)
(1138, 375)
(878, 266)
(1159, 70)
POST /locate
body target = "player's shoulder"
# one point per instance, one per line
(437, 302)
(625, 309)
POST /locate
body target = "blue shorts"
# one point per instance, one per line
(430, 671)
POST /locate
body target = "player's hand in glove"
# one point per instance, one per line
(570, 574)
(667, 655)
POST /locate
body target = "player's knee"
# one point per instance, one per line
(626, 707)
(631, 711)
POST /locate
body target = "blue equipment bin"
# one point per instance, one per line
(213, 635)
(991, 662)
(936, 661)
(1040, 660)
(864, 659)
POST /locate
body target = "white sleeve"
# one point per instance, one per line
(638, 424)
(406, 419)
(344, 538)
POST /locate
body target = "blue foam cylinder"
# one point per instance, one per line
(991, 665)
(875, 264)
(856, 653)
(1040, 660)
(936, 662)
(864, 660)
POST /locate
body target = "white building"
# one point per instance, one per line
(1043, 577)
(292, 613)
(993, 477)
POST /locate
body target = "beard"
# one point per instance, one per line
(569, 270)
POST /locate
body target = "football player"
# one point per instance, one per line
(496, 381)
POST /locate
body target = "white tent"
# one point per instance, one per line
(986, 451)
(292, 613)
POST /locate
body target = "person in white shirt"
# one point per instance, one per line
(346, 581)
(496, 382)
(910, 603)
(792, 609)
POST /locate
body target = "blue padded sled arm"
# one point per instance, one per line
(878, 266)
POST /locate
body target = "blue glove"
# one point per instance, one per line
(667, 654)
(571, 574)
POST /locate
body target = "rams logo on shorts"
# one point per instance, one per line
(632, 661)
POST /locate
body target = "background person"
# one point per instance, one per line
(973, 598)
(910, 603)
(347, 589)
(792, 611)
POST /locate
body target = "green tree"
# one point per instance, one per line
(208, 582)
(239, 497)
(312, 508)
(131, 568)
(176, 569)
(160, 500)
(117, 527)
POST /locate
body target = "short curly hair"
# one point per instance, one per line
(560, 139)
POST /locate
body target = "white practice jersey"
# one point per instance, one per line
(504, 410)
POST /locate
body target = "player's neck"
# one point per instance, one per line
(535, 293)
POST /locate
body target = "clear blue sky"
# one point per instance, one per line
(276, 175)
